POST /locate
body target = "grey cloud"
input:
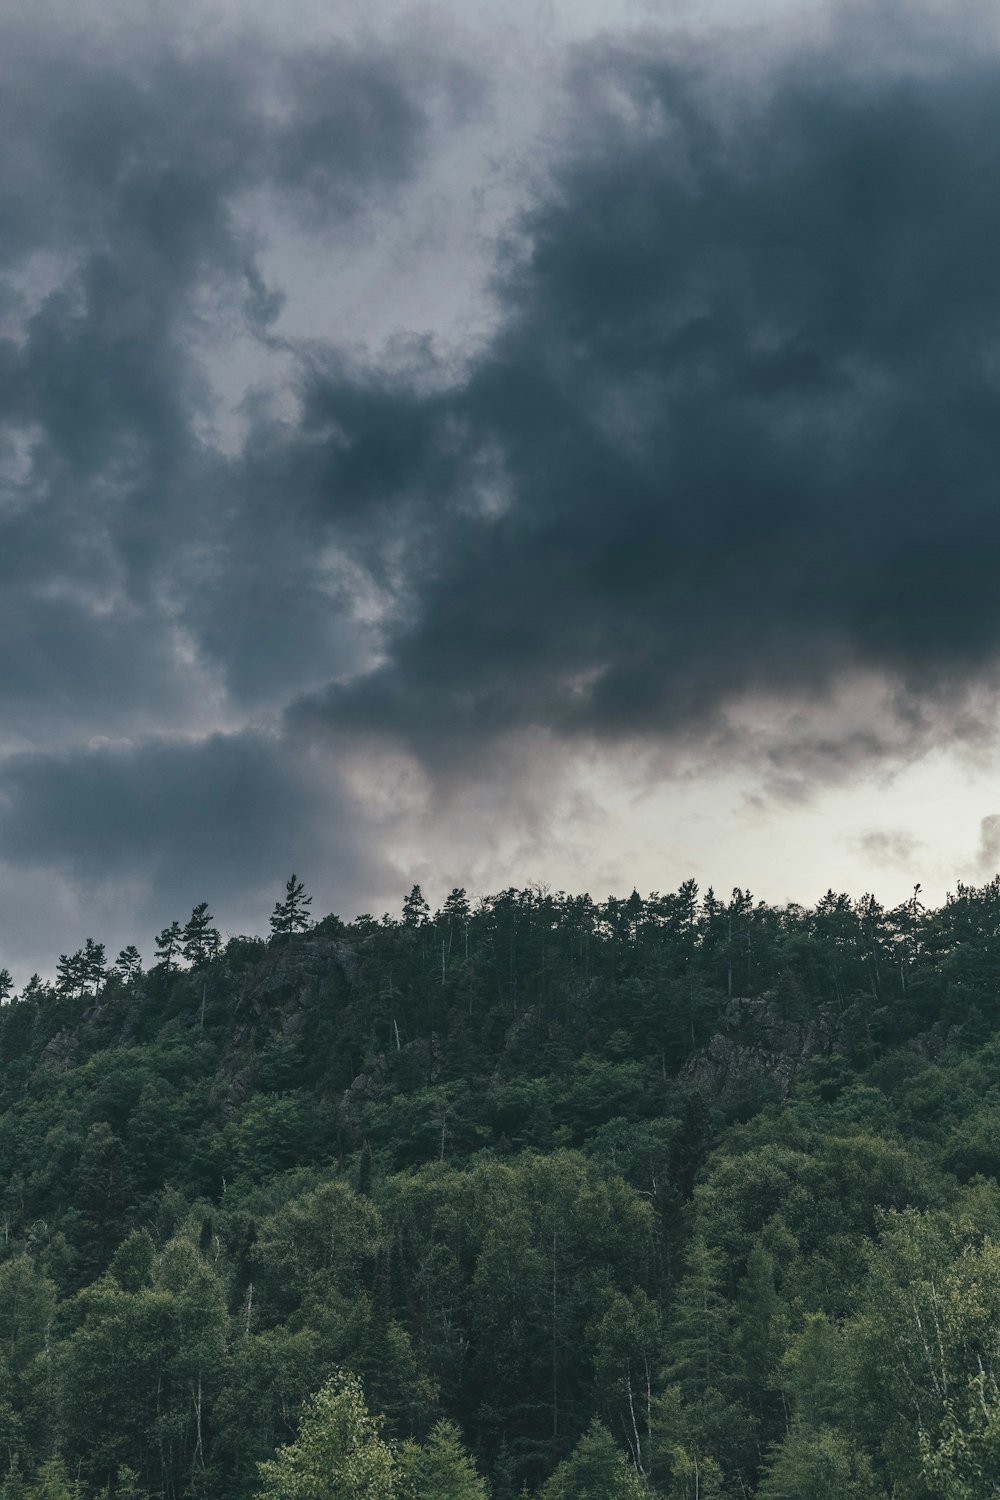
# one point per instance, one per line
(131, 170)
(221, 817)
(890, 846)
(355, 124)
(742, 414)
(988, 853)
(155, 587)
(731, 447)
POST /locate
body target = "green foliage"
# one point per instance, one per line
(439, 1469)
(200, 941)
(597, 1469)
(339, 1453)
(821, 1464)
(168, 945)
(290, 915)
(812, 1372)
(962, 1462)
(673, 1196)
(926, 1338)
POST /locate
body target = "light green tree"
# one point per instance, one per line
(821, 1464)
(923, 1351)
(683, 1468)
(339, 1453)
(963, 1462)
(811, 1373)
(52, 1482)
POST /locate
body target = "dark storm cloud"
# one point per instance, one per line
(224, 815)
(741, 423)
(152, 582)
(126, 245)
(732, 444)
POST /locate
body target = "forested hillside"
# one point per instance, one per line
(672, 1197)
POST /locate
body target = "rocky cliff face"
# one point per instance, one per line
(756, 1044)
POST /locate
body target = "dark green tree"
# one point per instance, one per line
(415, 909)
(200, 941)
(128, 964)
(597, 1469)
(71, 975)
(439, 1469)
(290, 915)
(93, 966)
(36, 988)
(168, 946)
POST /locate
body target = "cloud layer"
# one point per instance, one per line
(721, 480)
(736, 437)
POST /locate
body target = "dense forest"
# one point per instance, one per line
(670, 1197)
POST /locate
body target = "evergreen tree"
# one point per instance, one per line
(597, 1469)
(6, 985)
(128, 964)
(811, 1373)
(71, 974)
(439, 1469)
(454, 920)
(415, 909)
(702, 1322)
(168, 945)
(127, 1486)
(52, 1482)
(200, 941)
(760, 1327)
(290, 916)
(36, 988)
(92, 966)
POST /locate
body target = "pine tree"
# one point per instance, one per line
(200, 941)
(290, 916)
(700, 1343)
(128, 964)
(71, 974)
(92, 966)
(439, 1469)
(760, 1326)
(454, 918)
(415, 909)
(168, 945)
(597, 1469)
(6, 985)
(52, 1482)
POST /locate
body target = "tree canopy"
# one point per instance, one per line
(666, 1196)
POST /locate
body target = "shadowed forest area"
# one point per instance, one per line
(669, 1196)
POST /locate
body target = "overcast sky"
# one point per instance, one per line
(484, 445)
